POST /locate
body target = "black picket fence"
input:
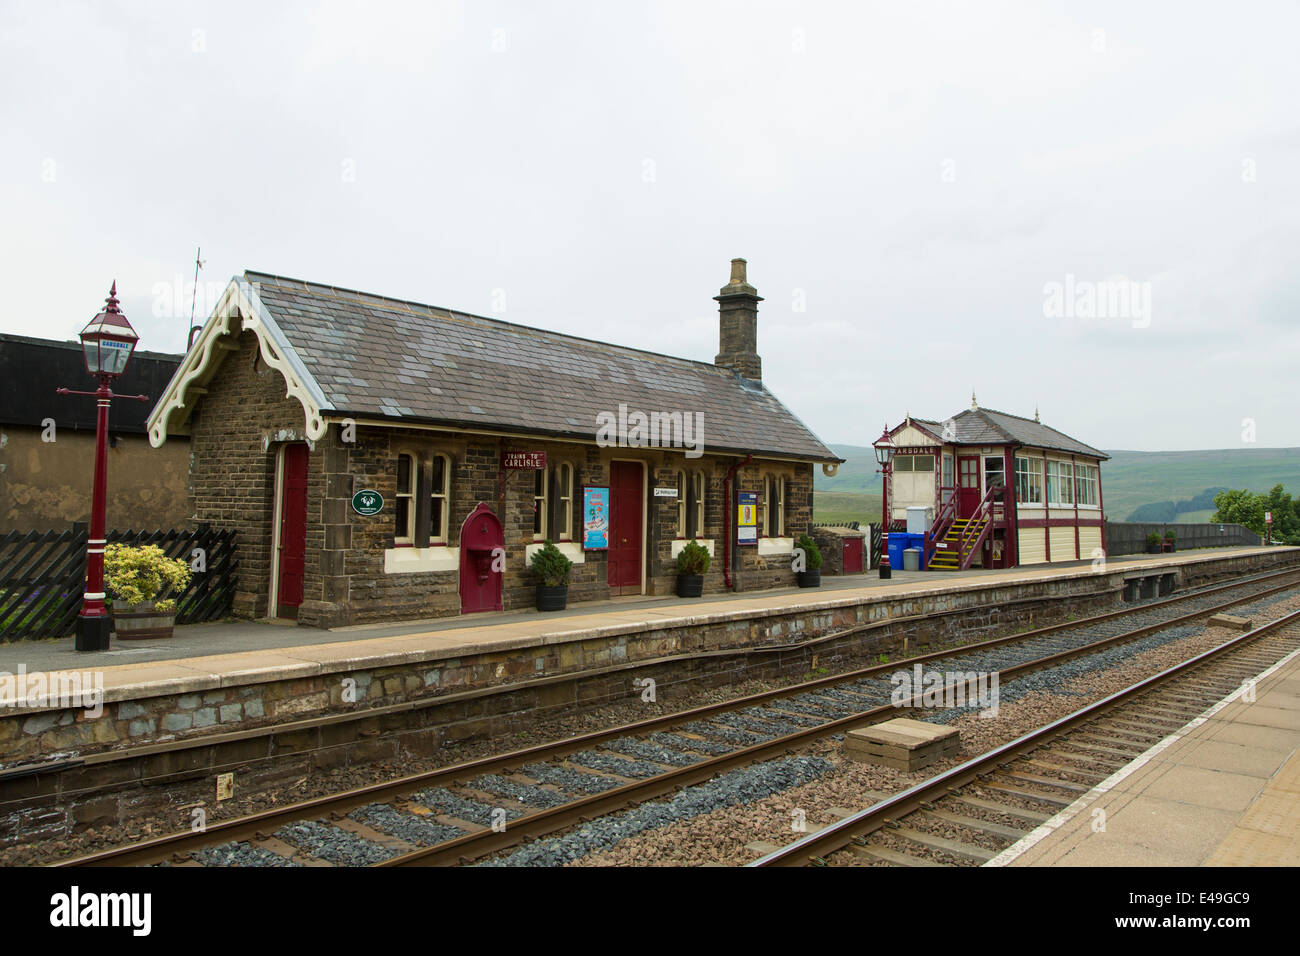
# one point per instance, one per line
(43, 576)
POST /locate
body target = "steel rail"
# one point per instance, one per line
(813, 848)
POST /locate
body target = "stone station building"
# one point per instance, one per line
(477, 434)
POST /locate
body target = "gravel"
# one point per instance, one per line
(241, 854)
(738, 787)
(688, 743)
(731, 735)
(568, 779)
(410, 827)
(525, 793)
(328, 842)
(608, 764)
(454, 805)
(633, 747)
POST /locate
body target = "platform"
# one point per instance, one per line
(227, 676)
(1225, 791)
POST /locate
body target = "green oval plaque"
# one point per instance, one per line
(367, 502)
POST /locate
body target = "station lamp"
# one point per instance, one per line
(107, 343)
(884, 447)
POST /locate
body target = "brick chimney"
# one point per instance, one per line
(738, 324)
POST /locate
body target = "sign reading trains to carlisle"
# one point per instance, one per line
(747, 517)
(595, 519)
(523, 460)
(367, 502)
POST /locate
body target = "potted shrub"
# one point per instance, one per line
(1153, 543)
(134, 577)
(812, 577)
(692, 565)
(1170, 537)
(552, 569)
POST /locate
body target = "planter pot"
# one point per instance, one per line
(552, 599)
(140, 622)
(810, 579)
(690, 585)
(1153, 549)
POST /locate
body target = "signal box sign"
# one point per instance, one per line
(523, 460)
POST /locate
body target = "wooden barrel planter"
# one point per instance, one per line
(140, 622)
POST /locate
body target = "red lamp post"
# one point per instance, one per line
(107, 343)
(884, 455)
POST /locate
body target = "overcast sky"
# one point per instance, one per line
(906, 180)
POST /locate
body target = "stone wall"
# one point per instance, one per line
(45, 486)
(234, 434)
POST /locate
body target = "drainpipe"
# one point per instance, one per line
(726, 518)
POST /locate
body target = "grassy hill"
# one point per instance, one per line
(1133, 478)
(1129, 480)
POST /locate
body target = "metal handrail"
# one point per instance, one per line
(942, 522)
(982, 522)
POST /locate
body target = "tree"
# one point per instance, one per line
(1239, 507)
(1246, 508)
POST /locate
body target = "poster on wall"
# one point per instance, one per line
(747, 517)
(595, 519)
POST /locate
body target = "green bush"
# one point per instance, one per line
(136, 575)
(693, 559)
(551, 567)
(1171, 534)
(812, 555)
(1153, 538)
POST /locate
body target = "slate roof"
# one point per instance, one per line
(374, 356)
(31, 369)
(985, 426)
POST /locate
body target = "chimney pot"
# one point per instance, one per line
(738, 272)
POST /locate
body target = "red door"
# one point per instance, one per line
(293, 531)
(968, 485)
(852, 555)
(625, 527)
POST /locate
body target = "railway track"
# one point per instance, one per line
(971, 814)
(465, 812)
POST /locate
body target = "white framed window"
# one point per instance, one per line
(564, 501)
(440, 478)
(1085, 485)
(994, 472)
(1029, 481)
(945, 477)
(1060, 483)
(695, 514)
(679, 480)
(404, 526)
(774, 499)
(540, 504)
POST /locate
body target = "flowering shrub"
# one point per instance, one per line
(136, 575)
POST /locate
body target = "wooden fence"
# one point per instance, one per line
(43, 576)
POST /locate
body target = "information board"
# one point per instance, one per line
(747, 517)
(595, 519)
